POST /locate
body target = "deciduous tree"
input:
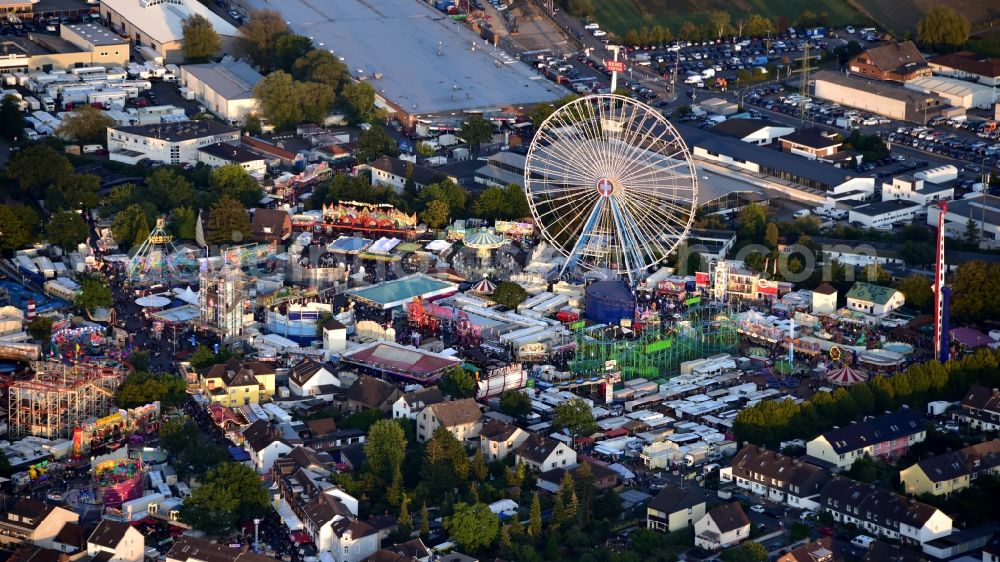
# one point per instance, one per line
(385, 448)
(260, 34)
(37, 167)
(141, 388)
(918, 292)
(66, 229)
(374, 143)
(200, 41)
(576, 416)
(436, 213)
(509, 294)
(130, 226)
(458, 383)
(18, 226)
(94, 293)
(228, 222)
(11, 119)
(229, 493)
(86, 124)
(943, 28)
(476, 131)
(515, 403)
(233, 181)
(322, 67)
(358, 99)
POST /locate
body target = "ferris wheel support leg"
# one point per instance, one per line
(573, 256)
(630, 249)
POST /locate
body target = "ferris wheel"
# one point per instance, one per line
(611, 185)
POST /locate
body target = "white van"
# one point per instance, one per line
(600, 33)
(92, 148)
(592, 26)
(801, 213)
(862, 541)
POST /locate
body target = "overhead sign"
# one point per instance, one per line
(614, 65)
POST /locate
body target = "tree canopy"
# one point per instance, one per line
(86, 124)
(228, 222)
(515, 403)
(358, 98)
(975, 296)
(260, 35)
(230, 493)
(436, 214)
(918, 292)
(141, 388)
(94, 293)
(509, 294)
(385, 447)
(130, 226)
(943, 28)
(233, 181)
(505, 203)
(37, 167)
(458, 383)
(373, 143)
(473, 526)
(322, 67)
(286, 102)
(476, 131)
(18, 226)
(576, 416)
(66, 229)
(200, 41)
(11, 119)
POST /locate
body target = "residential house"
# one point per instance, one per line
(602, 477)
(236, 384)
(411, 403)
(116, 542)
(673, 509)
(880, 512)
(393, 172)
(824, 299)
(190, 549)
(952, 471)
(498, 439)
(30, 553)
(460, 417)
(819, 550)
(753, 131)
(324, 435)
(410, 551)
(71, 540)
(369, 393)
(896, 62)
(172, 143)
(811, 143)
(334, 336)
(723, 526)
(224, 153)
(271, 225)
(541, 453)
(35, 522)
(306, 377)
(872, 299)
(885, 437)
(775, 476)
(265, 444)
(980, 408)
(328, 514)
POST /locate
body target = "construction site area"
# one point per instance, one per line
(59, 398)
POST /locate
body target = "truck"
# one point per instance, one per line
(708, 73)
(33, 103)
(696, 455)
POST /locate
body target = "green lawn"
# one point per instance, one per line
(987, 44)
(619, 16)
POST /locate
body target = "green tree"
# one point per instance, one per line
(233, 181)
(476, 131)
(228, 222)
(771, 236)
(458, 383)
(317, 100)
(509, 294)
(11, 119)
(94, 293)
(86, 124)
(374, 143)
(515, 403)
(719, 20)
(40, 328)
(580, 8)
(130, 226)
(363, 420)
(474, 527)
(230, 493)
(385, 448)
(478, 468)
(66, 229)
(141, 388)
(322, 67)
(863, 470)
(576, 416)
(37, 167)
(436, 214)
(203, 357)
(515, 202)
(77, 191)
(752, 221)
(278, 95)
(535, 519)
(759, 25)
(183, 221)
(490, 204)
(288, 49)
(943, 28)
(167, 188)
(445, 464)
(260, 34)
(875, 273)
(425, 520)
(918, 292)
(139, 360)
(972, 232)
(200, 41)
(358, 99)
(18, 226)
(454, 194)
(747, 552)
(541, 112)
(974, 289)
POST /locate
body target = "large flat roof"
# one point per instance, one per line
(233, 80)
(394, 293)
(425, 59)
(884, 89)
(163, 20)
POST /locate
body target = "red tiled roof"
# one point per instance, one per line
(401, 359)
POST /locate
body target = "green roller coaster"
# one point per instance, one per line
(704, 330)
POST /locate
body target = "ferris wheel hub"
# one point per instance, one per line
(605, 187)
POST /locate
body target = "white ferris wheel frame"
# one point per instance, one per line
(619, 183)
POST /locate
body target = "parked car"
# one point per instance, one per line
(757, 508)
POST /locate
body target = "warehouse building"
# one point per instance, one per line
(502, 169)
(882, 98)
(158, 24)
(753, 131)
(78, 44)
(968, 65)
(983, 211)
(958, 93)
(225, 88)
